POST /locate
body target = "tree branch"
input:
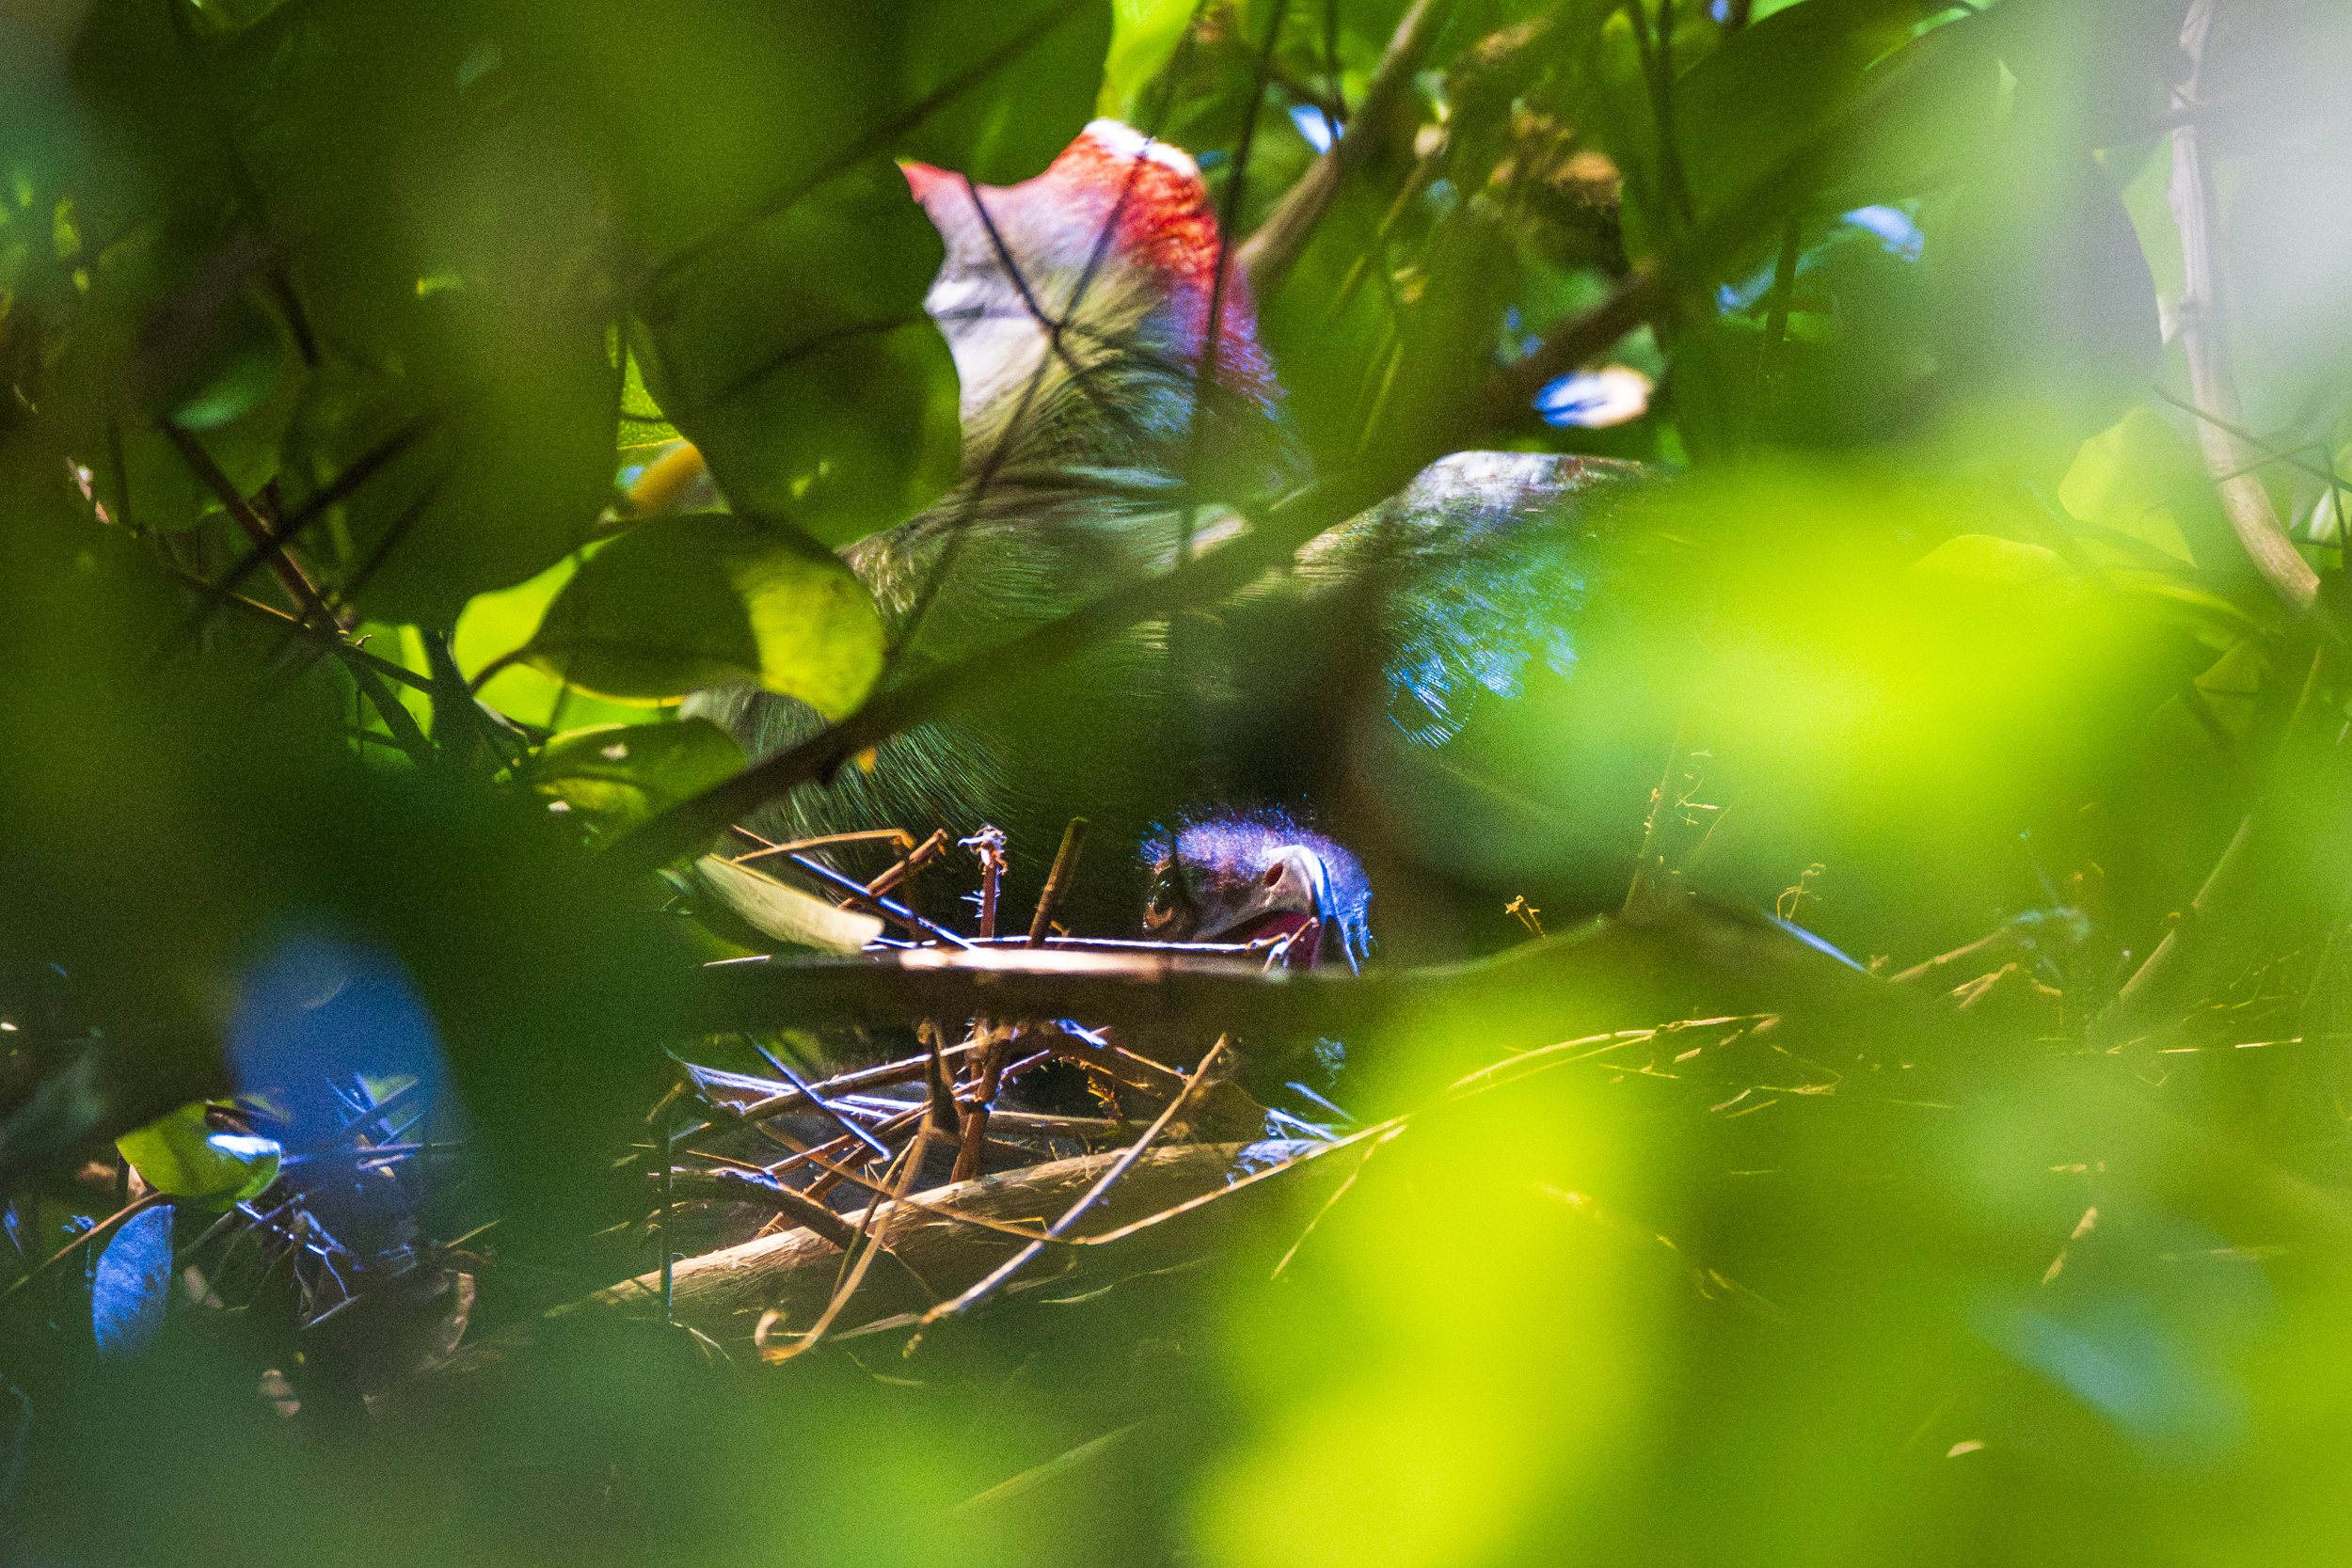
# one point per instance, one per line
(1266, 257)
(2253, 517)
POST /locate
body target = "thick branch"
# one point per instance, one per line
(2202, 339)
(1684, 954)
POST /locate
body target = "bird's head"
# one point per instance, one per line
(1243, 878)
(1109, 258)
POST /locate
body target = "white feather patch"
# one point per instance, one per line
(1125, 141)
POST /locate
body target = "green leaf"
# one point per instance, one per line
(711, 598)
(2231, 685)
(184, 1155)
(630, 771)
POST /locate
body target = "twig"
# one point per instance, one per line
(989, 1080)
(916, 858)
(888, 907)
(2149, 981)
(290, 575)
(943, 1118)
(1110, 1178)
(361, 469)
(327, 637)
(668, 1187)
(1073, 842)
(809, 1213)
(988, 845)
(1264, 260)
(865, 835)
(822, 1104)
(2270, 452)
(1919, 971)
(875, 1243)
(405, 732)
(103, 1228)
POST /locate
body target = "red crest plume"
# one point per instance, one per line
(1125, 213)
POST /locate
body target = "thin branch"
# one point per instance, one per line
(327, 637)
(2147, 983)
(104, 1227)
(1264, 260)
(290, 575)
(1058, 880)
(358, 473)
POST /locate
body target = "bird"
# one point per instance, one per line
(1117, 409)
(1246, 877)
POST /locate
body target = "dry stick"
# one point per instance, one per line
(1073, 842)
(792, 846)
(1651, 866)
(809, 1213)
(1919, 971)
(835, 1174)
(988, 845)
(2251, 515)
(822, 1105)
(943, 1119)
(989, 1080)
(875, 1242)
(904, 1071)
(1332, 1202)
(916, 858)
(2149, 981)
(1266, 258)
(1110, 1178)
(669, 1186)
(889, 909)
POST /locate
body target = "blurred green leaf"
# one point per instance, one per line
(811, 383)
(708, 598)
(1773, 88)
(183, 1155)
(2130, 477)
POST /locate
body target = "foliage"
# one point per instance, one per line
(344, 639)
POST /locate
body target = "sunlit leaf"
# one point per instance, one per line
(783, 913)
(184, 1155)
(629, 771)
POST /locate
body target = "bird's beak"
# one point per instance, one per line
(923, 178)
